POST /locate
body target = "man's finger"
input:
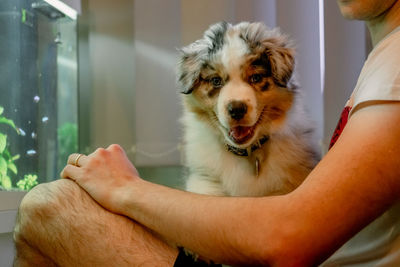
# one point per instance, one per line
(77, 159)
(70, 172)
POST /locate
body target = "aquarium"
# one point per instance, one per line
(38, 92)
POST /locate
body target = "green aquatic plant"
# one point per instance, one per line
(7, 165)
(8, 168)
(67, 142)
(28, 182)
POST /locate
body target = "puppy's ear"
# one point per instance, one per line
(192, 57)
(188, 72)
(281, 59)
(277, 47)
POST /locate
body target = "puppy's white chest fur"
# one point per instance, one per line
(284, 162)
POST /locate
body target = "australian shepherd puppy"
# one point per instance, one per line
(245, 131)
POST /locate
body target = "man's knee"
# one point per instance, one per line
(44, 201)
(61, 221)
(41, 208)
(45, 196)
(37, 209)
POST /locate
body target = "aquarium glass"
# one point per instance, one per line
(38, 93)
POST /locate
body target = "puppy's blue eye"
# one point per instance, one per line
(216, 82)
(255, 78)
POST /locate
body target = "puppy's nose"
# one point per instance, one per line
(237, 109)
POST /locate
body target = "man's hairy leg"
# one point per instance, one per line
(60, 224)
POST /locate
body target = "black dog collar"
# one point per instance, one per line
(185, 260)
(243, 152)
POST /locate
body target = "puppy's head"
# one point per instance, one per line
(237, 79)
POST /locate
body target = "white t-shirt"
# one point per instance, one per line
(379, 243)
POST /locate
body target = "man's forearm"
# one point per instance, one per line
(219, 228)
(333, 204)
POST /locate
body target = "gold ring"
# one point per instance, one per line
(77, 159)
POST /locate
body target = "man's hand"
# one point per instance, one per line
(103, 174)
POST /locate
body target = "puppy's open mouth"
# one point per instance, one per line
(241, 134)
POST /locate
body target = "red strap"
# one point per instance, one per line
(340, 126)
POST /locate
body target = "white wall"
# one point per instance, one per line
(107, 72)
(300, 19)
(75, 4)
(345, 53)
(157, 34)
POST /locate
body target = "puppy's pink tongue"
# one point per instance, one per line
(240, 133)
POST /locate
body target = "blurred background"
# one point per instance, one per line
(90, 73)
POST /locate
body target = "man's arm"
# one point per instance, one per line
(354, 183)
